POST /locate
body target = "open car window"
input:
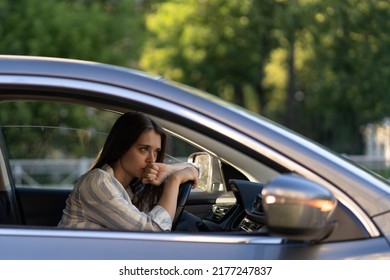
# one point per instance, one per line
(50, 145)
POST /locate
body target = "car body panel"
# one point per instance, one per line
(61, 244)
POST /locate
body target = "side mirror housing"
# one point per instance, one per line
(298, 209)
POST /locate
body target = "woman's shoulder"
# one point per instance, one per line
(94, 173)
(98, 185)
(96, 177)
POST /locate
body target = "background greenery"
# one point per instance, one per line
(320, 67)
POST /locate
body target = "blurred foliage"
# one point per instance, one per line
(321, 67)
(346, 79)
(219, 46)
(104, 31)
(48, 128)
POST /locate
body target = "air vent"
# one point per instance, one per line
(219, 211)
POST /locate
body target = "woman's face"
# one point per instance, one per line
(145, 150)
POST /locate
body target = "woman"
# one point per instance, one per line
(123, 190)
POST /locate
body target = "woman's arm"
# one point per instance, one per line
(168, 198)
(156, 173)
(105, 202)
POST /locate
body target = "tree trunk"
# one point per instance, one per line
(239, 95)
(290, 101)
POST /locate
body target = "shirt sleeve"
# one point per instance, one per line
(106, 203)
(198, 167)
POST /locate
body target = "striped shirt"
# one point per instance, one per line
(99, 201)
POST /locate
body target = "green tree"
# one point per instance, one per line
(346, 78)
(105, 31)
(219, 46)
(290, 17)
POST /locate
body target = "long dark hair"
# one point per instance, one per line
(124, 133)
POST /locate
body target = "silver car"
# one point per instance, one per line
(265, 193)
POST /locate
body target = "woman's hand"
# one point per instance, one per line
(156, 173)
(190, 173)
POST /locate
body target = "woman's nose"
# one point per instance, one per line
(151, 157)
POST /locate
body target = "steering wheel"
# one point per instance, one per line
(184, 193)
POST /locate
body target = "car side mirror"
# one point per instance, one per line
(299, 209)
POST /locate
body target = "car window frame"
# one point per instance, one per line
(138, 100)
